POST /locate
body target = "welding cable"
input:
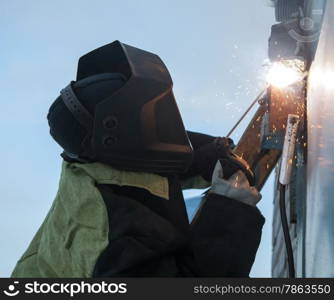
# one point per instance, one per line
(286, 232)
(257, 99)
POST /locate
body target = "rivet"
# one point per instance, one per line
(110, 140)
(110, 122)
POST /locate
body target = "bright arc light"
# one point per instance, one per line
(283, 74)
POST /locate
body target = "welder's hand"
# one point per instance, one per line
(235, 187)
(230, 162)
(205, 157)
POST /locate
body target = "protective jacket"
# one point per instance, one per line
(106, 222)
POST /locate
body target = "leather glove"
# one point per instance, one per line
(230, 162)
(207, 150)
(236, 187)
(206, 155)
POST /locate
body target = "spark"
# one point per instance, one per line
(284, 73)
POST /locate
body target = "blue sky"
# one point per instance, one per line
(214, 51)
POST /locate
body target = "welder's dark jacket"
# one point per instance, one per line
(106, 222)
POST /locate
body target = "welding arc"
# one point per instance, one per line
(286, 232)
(246, 112)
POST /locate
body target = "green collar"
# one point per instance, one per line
(104, 174)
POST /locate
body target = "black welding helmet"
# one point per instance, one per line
(121, 111)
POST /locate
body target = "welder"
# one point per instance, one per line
(119, 210)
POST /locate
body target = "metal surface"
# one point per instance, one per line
(283, 101)
(250, 149)
(319, 235)
(297, 189)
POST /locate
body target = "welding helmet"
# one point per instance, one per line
(121, 111)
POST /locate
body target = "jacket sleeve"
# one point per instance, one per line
(143, 242)
(225, 237)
